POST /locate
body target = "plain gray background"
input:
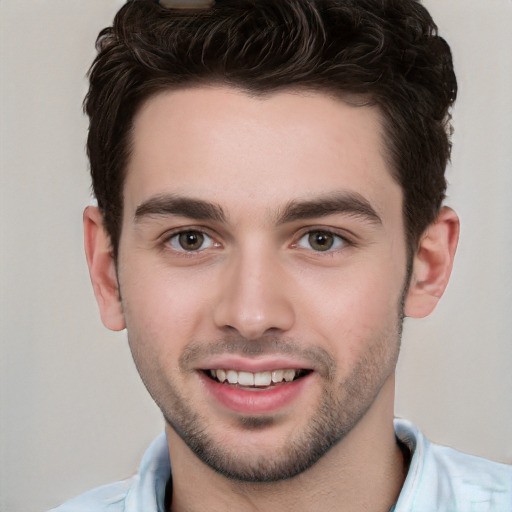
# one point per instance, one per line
(73, 412)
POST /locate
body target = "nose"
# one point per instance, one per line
(253, 297)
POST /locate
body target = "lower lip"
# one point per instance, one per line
(257, 401)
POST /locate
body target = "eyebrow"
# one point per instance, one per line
(336, 203)
(349, 203)
(169, 204)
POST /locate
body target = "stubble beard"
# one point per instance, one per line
(341, 406)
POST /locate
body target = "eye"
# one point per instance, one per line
(321, 241)
(190, 241)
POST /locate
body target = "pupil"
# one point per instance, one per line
(191, 240)
(321, 241)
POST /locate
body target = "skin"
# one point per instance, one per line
(247, 175)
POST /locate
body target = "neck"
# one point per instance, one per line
(364, 471)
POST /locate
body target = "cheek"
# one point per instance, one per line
(160, 320)
(161, 307)
(356, 311)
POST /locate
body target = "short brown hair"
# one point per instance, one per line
(384, 51)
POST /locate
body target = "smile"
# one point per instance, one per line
(257, 379)
(255, 392)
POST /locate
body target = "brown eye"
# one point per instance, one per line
(321, 241)
(190, 241)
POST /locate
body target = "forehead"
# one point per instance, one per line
(221, 144)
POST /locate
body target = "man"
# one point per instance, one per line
(270, 178)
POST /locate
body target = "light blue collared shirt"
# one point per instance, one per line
(439, 480)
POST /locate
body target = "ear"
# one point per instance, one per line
(432, 264)
(102, 269)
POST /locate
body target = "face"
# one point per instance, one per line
(262, 268)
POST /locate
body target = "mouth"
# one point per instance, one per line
(265, 391)
(256, 380)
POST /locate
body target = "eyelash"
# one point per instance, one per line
(174, 236)
(340, 242)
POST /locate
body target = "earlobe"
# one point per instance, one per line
(102, 269)
(432, 264)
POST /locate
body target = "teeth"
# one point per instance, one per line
(232, 376)
(260, 379)
(246, 379)
(277, 375)
(289, 375)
